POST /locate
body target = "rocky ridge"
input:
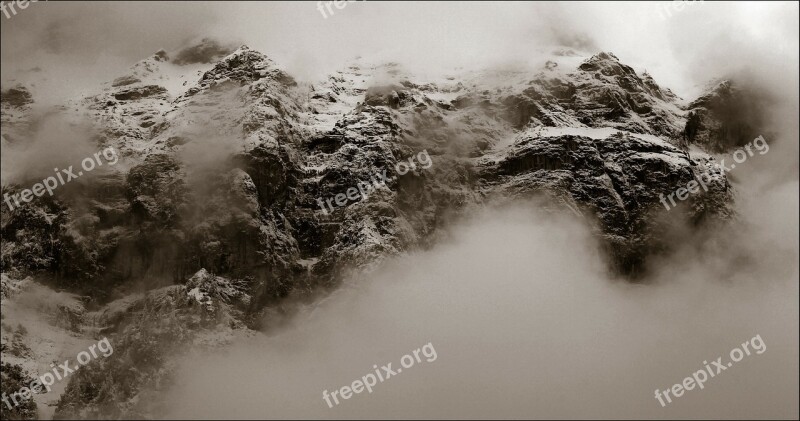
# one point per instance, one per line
(211, 220)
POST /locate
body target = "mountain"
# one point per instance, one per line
(212, 219)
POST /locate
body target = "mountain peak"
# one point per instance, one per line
(208, 50)
(243, 65)
(161, 55)
(606, 63)
(606, 56)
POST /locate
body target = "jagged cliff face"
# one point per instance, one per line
(215, 205)
(725, 117)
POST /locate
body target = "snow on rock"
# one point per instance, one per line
(214, 218)
(204, 287)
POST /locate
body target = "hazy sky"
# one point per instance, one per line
(77, 44)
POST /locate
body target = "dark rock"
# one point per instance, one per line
(125, 81)
(726, 117)
(134, 94)
(16, 97)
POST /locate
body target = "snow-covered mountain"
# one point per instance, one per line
(211, 219)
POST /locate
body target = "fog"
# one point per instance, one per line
(518, 304)
(524, 325)
(519, 307)
(66, 47)
(54, 142)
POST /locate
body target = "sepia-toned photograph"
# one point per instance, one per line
(363, 209)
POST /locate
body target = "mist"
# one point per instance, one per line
(524, 325)
(518, 303)
(54, 142)
(56, 44)
(527, 323)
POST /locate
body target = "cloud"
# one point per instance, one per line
(524, 325)
(54, 142)
(87, 42)
(523, 318)
(80, 45)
